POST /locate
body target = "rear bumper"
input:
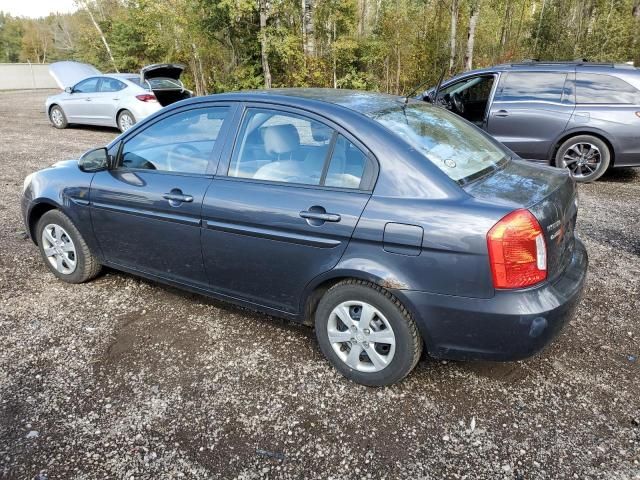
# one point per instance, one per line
(510, 326)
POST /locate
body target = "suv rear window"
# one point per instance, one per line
(532, 86)
(594, 88)
(456, 147)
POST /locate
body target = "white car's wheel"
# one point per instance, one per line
(57, 117)
(126, 120)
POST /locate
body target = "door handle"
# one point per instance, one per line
(177, 197)
(87, 99)
(502, 113)
(321, 216)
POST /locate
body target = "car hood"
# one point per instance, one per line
(162, 70)
(68, 73)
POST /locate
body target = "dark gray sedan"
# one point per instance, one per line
(392, 226)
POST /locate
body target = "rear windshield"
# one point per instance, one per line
(454, 146)
(158, 83)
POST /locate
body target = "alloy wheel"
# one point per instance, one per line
(126, 122)
(582, 159)
(361, 336)
(59, 249)
(56, 117)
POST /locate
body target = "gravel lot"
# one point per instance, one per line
(124, 378)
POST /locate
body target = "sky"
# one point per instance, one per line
(36, 8)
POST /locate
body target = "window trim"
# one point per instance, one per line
(243, 109)
(215, 152)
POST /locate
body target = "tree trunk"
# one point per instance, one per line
(85, 5)
(471, 35)
(453, 34)
(535, 45)
(636, 32)
(263, 44)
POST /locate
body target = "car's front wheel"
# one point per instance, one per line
(57, 117)
(64, 250)
(366, 333)
(587, 157)
(126, 120)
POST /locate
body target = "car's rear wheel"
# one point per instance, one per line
(126, 120)
(64, 250)
(57, 117)
(587, 157)
(366, 333)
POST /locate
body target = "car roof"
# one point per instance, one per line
(363, 102)
(534, 65)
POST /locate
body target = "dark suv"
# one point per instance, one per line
(580, 115)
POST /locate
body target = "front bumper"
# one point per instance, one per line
(510, 326)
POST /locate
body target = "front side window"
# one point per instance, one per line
(180, 143)
(111, 85)
(457, 148)
(281, 147)
(532, 86)
(594, 88)
(90, 85)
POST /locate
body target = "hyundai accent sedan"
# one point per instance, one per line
(391, 225)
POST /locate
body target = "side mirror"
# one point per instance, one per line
(94, 160)
(68, 90)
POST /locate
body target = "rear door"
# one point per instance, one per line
(104, 102)
(146, 212)
(530, 110)
(283, 209)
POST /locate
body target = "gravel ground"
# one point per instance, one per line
(124, 378)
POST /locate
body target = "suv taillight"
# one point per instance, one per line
(517, 251)
(146, 97)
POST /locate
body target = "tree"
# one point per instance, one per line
(474, 12)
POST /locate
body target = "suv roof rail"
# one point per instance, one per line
(579, 62)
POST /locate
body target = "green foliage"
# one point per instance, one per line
(388, 45)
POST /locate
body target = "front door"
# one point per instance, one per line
(146, 212)
(530, 110)
(282, 211)
(78, 104)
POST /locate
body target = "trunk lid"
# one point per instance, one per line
(68, 73)
(162, 70)
(164, 81)
(548, 193)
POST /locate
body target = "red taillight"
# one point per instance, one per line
(517, 251)
(147, 97)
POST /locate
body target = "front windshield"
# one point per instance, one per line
(454, 146)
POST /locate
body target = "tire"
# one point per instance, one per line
(63, 249)
(57, 117)
(587, 157)
(387, 318)
(126, 120)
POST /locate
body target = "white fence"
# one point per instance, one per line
(24, 76)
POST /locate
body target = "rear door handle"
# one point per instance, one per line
(87, 99)
(322, 216)
(177, 197)
(502, 113)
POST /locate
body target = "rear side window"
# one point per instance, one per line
(285, 147)
(111, 85)
(593, 88)
(180, 143)
(532, 86)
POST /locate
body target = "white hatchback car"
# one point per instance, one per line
(113, 100)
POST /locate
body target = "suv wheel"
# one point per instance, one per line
(367, 334)
(587, 157)
(63, 249)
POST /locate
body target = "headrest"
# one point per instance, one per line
(280, 139)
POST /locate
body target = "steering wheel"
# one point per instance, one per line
(457, 102)
(183, 158)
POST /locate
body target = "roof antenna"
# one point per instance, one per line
(415, 90)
